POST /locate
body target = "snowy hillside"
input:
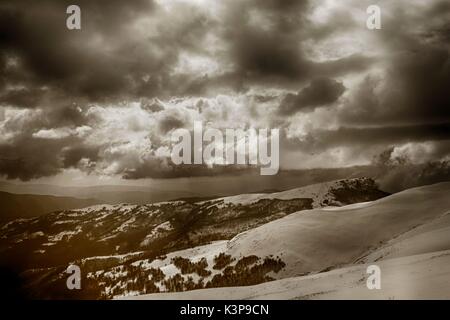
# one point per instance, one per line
(406, 234)
(319, 239)
(119, 246)
(424, 276)
(326, 193)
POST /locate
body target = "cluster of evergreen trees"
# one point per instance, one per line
(249, 270)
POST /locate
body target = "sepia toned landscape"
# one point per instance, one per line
(222, 150)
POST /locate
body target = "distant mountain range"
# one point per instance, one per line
(102, 193)
(389, 178)
(13, 206)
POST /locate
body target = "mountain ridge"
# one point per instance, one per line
(15, 206)
(327, 251)
(118, 235)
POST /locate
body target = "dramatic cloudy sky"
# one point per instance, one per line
(104, 100)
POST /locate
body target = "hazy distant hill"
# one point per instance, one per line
(104, 193)
(14, 206)
(389, 178)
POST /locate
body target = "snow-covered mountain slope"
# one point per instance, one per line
(429, 237)
(243, 240)
(319, 239)
(314, 240)
(412, 222)
(424, 276)
(406, 234)
(117, 244)
(160, 227)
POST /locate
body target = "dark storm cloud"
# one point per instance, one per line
(44, 142)
(104, 61)
(169, 123)
(129, 51)
(416, 90)
(163, 168)
(320, 92)
(27, 160)
(22, 98)
(73, 154)
(399, 178)
(29, 155)
(24, 160)
(396, 134)
(273, 52)
(275, 55)
(320, 140)
(260, 54)
(34, 33)
(415, 86)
